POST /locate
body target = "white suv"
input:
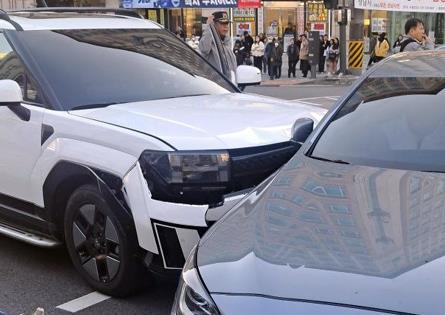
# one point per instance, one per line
(119, 140)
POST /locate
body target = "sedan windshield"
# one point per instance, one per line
(100, 67)
(390, 123)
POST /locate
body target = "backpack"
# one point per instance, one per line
(406, 43)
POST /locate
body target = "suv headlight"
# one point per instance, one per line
(200, 177)
(191, 297)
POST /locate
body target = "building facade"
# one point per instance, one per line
(389, 16)
(273, 18)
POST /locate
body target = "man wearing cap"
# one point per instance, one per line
(208, 47)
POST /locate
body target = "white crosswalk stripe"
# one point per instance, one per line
(322, 101)
(83, 302)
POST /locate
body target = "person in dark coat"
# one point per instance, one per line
(247, 44)
(293, 53)
(321, 56)
(248, 41)
(271, 55)
(279, 62)
(238, 51)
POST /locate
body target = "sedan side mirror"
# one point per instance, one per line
(247, 75)
(12, 97)
(301, 129)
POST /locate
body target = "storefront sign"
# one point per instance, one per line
(242, 27)
(243, 12)
(249, 3)
(378, 25)
(434, 6)
(149, 4)
(210, 3)
(243, 19)
(317, 12)
(136, 4)
(243, 15)
(319, 27)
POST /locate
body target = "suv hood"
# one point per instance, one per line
(210, 121)
(328, 233)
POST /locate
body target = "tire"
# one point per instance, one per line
(102, 244)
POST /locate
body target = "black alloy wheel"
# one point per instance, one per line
(102, 244)
(97, 243)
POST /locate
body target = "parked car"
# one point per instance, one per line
(119, 140)
(354, 223)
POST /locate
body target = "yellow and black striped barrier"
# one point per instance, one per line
(355, 55)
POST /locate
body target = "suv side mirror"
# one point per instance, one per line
(11, 96)
(247, 75)
(301, 129)
(10, 93)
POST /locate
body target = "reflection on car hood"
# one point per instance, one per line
(320, 231)
(209, 122)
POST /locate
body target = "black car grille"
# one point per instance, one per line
(250, 166)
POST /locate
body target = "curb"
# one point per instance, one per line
(323, 81)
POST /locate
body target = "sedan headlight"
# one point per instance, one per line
(191, 297)
(199, 177)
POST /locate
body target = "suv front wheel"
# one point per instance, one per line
(102, 244)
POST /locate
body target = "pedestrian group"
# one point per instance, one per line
(267, 52)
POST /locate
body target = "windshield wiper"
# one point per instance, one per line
(329, 160)
(88, 106)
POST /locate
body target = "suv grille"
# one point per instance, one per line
(250, 166)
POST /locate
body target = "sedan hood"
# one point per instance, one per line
(210, 121)
(333, 234)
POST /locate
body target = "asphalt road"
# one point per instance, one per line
(32, 277)
(314, 94)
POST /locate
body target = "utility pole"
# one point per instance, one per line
(343, 22)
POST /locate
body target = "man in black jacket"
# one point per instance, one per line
(247, 43)
(292, 56)
(324, 44)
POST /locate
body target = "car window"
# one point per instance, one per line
(98, 67)
(12, 68)
(390, 123)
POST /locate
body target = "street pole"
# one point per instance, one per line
(231, 34)
(343, 23)
(305, 12)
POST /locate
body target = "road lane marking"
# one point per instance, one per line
(334, 98)
(307, 103)
(320, 101)
(83, 302)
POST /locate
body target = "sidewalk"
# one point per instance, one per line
(321, 79)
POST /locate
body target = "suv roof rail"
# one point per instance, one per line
(116, 11)
(5, 17)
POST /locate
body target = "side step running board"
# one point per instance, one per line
(27, 237)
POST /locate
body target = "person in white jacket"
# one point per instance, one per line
(257, 52)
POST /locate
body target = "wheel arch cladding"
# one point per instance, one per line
(65, 177)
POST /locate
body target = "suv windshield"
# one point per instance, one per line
(98, 67)
(390, 123)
